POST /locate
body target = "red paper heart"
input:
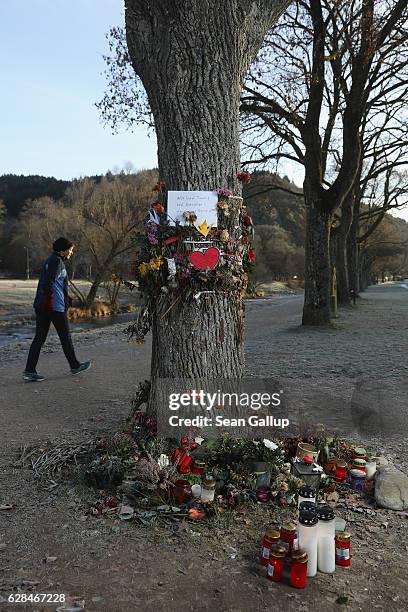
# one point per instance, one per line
(205, 261)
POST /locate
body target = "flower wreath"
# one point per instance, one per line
(174, 258)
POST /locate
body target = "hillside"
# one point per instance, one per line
(16, 189)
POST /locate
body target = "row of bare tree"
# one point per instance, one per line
(328, 91)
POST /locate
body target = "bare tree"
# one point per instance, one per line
(323, 67)
(384, 251)
(101, 218)
(108, 214)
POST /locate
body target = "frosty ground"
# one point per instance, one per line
(120, 567)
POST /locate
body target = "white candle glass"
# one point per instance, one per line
(307, 536)
(326, 531)
(371, 467)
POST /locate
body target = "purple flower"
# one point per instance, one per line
(224, 192)
(151, 233)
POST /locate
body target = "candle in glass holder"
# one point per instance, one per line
(359, 464)
(287, 537)
(341, 471)
(276, 562)
(181, 491)
(307, 505)
(306, 494)
(208, 490)
(360, 453)
(326, 529)
(307, 530)
(298, 570)
(343, 549)
(263, 494)
(271, 538)
(198, 467)
(371, 467)
(196, 490)
(357, 479)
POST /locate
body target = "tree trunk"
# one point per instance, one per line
(90, 298)
(363, 272)
(342, 233)
(192, 56)
(343, 286)
(353, 254)
(316, 309)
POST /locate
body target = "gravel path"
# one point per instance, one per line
(123, 568)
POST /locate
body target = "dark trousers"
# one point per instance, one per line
(42, 326)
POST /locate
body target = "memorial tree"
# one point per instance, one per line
(192, 57)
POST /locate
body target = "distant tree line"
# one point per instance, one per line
(103, 214)
(100, 215)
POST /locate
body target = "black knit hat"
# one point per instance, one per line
(62, 244)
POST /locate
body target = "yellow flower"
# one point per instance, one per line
(143, 268)
(156, 263)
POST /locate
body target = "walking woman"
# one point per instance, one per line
(51, 305)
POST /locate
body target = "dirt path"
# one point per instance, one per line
(128, 568)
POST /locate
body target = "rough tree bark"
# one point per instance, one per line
(353, 251)
(192, 56)
(342, 244)
(316, 309)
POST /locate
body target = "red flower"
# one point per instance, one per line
(159, 208)
(195, 514)
(247, 220)
(175, 455)
(184, 463)
(244, 177)
(251, 256)
(171, 239)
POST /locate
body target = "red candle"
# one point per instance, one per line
(181, 491)
(271, 538)
(198, 467)
(275, 565)
(343, 549)
(287, 535)
(298, 570)
(341, 471)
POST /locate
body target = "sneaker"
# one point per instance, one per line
(82, 367)
(33, 377)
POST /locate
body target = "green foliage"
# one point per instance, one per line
(227, 451)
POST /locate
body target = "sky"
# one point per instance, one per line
(51, 64)
(52, 74)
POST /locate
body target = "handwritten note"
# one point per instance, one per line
(202, 203)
